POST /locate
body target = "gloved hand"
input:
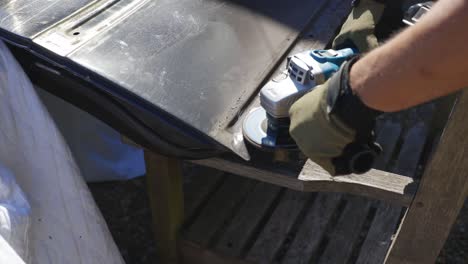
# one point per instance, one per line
(334, 128)
(358, 31)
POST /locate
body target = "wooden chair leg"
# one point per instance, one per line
(165, 190)
(440, 196)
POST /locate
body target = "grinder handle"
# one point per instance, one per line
(357, 158)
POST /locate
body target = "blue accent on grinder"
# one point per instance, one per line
(331, 60)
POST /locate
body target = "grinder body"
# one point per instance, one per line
(267, 127)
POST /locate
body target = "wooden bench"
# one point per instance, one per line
(324, 227)
(420, 185)
(231, 219)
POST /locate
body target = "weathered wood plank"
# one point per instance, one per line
(311, 232)
(253, 211)
(194, 254)
(378, 238)
(341, 242)
(164, 183)
(375, 184)
(273, 175)
(411, 150)
(199, 183)
(389, 132)
(385, 222)
(440, 196)
(278, 227)
(218, 210)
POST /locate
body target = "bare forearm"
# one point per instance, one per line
(423, 62)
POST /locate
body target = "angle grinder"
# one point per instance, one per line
(267, 127)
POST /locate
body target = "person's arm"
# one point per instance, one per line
(421, 63)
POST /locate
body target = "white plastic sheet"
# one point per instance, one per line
(15, 214)
(97, 148)
(8, 254)
(66, 225)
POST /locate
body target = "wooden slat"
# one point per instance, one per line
(311, 232)
(199, 183)
(278, 227)
(412, 148)
(194, 254)
(375, 184)
(440, 196)
(341, 242)
(218, 210)
(384, 224)
(387, 138)
(271, 175)
(387, 215)
(378, 239)
(254, 209)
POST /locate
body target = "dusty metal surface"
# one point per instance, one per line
(29, 17)
(182, 69)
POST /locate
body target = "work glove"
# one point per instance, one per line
(334, 128)
(358, 31)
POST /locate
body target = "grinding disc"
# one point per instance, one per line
(254, 129)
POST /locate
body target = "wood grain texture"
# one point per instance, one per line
(375, 184)
(218, 210)
(384, 224)
(311, 232)
(387, 138)
(194, 254)
(278, 227)
(199, 184)
(254, 209)
(440, 196)
(165, 190)
(412, 148)
(378, 239)
(345, 234)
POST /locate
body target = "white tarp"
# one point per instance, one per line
(8, 254)
(66, 225)
(15, 215)
(97, 148)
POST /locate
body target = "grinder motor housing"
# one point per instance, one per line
(305, 71)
